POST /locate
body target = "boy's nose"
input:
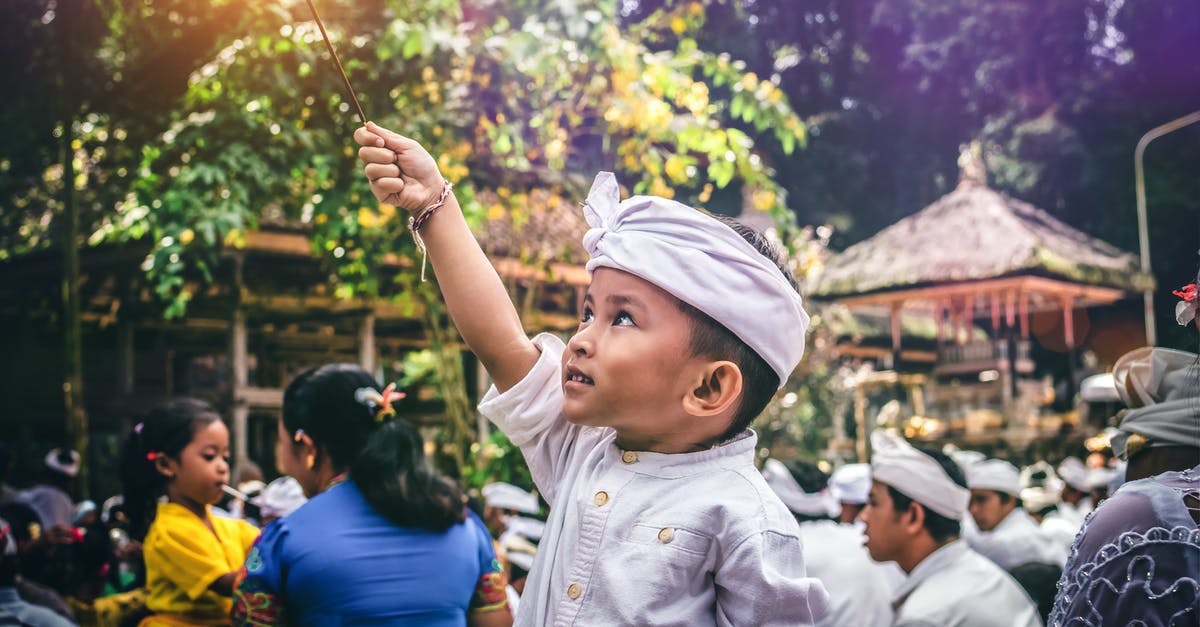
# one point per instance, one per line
(580, 343)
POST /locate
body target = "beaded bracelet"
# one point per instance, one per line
(415, 223)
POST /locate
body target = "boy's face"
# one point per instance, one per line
(988, 509)
(629, 366)
(884, 528)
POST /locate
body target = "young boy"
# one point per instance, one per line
(635, 430)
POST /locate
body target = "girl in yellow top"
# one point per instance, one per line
(181, 451)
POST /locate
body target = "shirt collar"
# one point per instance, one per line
(933, 563)
(735, 452)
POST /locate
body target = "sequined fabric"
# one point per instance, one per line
(1136, 561)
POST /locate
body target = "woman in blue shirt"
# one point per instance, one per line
(383, 539)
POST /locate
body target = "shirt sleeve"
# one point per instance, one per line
(185, 559)
(258, 593)
(763, 582)
(530, 414)
(491, 590)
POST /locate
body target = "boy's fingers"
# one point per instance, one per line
(369, 155)
(377, 171)
(365, 137)
(395, 141)
(386, 187)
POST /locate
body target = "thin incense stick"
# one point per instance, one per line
(234, 493)
(361, 116)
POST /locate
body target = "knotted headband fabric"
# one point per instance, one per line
(916, 475)
(703, 263)
(994, 474)
(793, 495)
(1162, 387)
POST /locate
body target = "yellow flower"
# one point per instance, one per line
(695, 8)
(678, 25)
(187, 236)
(750, 81)
(763, 199)
(495, 212)
(367, 218)
(706, 193)
(321, 218)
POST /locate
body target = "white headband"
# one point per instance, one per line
(703, 263)
(994, 474)
(793, 496)
(509, 496)
(1161, 386)
(916, 475)
(1074, 473)
(851, 483)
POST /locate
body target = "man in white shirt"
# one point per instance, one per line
(1006, 534)
(860, 590)
(1063, 524)
(916, 502)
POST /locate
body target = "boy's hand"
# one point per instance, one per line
(401, 172)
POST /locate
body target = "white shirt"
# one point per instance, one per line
(641, 538)
(957, 587)
(860, 589)
(1018, 540)
(1063, 525)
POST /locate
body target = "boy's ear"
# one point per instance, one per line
(717, 391)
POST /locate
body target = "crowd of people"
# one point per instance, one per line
(649, 506)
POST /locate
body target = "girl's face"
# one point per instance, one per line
(202, 466)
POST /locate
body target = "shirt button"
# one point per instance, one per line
(629, 457)
(666, 535)
(574, 591)
(601, 498)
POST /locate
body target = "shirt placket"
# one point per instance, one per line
(596, 505)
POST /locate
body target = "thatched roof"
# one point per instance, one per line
(971, 234)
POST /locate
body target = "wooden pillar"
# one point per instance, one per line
(994, 299)
(366, 343)
(1023, 307)
(895, 320)
(861, 434)
(1068, 305)
(939, 322)
(240, 413)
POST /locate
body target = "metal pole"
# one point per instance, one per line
(1143, 231)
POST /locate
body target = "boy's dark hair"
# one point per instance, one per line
(939, 527)
(166, 429)
(386, 461)
(812, 480)
(710, 339)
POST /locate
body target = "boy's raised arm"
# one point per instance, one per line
(402, 173)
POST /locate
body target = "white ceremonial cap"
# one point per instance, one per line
(962, 457)
(509, 496)
(63, 461)
(1162, 387)
(1100, 477)
(851, 483)
(916, 475)
(519, 550)
(525, 527)
(994, 474)
(280, 497)
(793, 496)
(703, 263)
(1036, 499)
(1074, 473)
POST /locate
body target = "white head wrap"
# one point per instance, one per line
(68, 466)
(519, 550)
(280, 497)
(509, 496)
(851, 483)
(703, 263)
(1074, 473)
(1162, 388)
(1100, 478)
(525, 527)
(789, 491)
(916, 475)
(994, 474)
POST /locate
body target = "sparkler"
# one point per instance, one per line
(361, 116)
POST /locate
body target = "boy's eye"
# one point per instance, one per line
(208, 457)
(587, 315)
(623, 319)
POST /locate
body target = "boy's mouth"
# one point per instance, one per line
(574, 375)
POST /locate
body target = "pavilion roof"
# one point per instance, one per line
(976, 234)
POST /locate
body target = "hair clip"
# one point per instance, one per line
(380, 403)
(299, 435)
(151, 456)
(138, 427)
(1185, 310)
